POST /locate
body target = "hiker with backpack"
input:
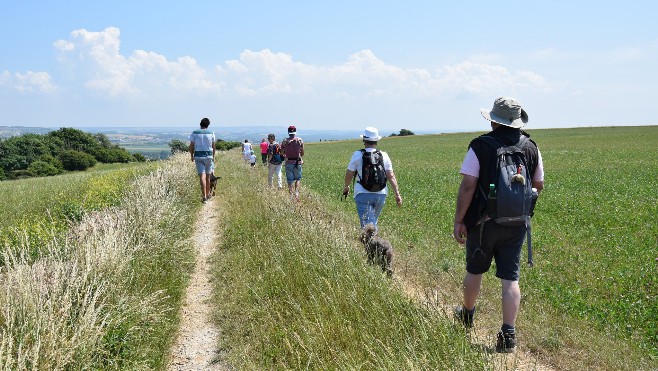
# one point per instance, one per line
(371, 170)
(502, 175)
(274, 160)
(293, 150)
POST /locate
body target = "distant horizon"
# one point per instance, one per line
(284, 127)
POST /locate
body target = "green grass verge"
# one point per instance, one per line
(293, 291)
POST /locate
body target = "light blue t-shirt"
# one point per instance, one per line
(203, 140)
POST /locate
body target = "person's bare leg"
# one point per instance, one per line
(207, 185)
(511, 301)
(202, 183)
(472, 283)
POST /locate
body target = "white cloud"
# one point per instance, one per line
(96, 58)
(363, 74)
(28, 82)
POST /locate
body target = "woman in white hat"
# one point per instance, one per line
(371, 185)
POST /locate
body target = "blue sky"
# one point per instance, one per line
(420, 65)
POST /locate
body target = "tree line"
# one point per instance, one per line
(66, 149)
(221, 145)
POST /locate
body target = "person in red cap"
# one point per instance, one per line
(293, 150)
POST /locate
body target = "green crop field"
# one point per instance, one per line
(595, 230)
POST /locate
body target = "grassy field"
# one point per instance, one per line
(292, 290)
(593, 290)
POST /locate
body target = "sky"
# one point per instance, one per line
(426, 66)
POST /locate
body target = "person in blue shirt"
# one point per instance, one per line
(202, 151)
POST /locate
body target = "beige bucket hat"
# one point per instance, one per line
(506, 111)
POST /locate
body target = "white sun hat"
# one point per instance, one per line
(371, 134)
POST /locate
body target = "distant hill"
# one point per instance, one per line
(165, 134)
(12, 131)
(254, 134)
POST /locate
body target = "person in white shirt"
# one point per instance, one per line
(369, 204)
(202, 152)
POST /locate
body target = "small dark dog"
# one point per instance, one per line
(213, 183)
(378, 250)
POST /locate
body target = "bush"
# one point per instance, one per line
(42, 168)
(222, 145)
(53, 161)
(139, 157)
(403, 132)
(20, 174)
(178, 146)
(76, 160)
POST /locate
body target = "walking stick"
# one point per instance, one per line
(529, 237)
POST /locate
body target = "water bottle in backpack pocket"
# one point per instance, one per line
(510, 197)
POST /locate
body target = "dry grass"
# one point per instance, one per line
(105, 296)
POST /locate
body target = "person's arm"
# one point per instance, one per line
(301, 151)
(390, 175)
(349, 175)
(539, 186)
(464, 197)
(538, 176)
(191, 149)
(214, 149)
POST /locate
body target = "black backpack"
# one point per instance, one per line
(277, 156)
(510, 195)
(373, 175)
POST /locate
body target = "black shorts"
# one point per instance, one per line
(498, 242)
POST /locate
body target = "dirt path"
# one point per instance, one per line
(195, 348)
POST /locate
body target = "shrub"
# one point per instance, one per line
(42, 168)
(20, 174)
(53, 161)
(76, 160)
(139, 157)
(223, 145)
(178, 146)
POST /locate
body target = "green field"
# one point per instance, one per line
(595, 228)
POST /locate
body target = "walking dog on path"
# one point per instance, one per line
(378, 250)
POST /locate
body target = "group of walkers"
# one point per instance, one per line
(486, 237)
(275, 156)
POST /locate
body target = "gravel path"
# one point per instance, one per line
(195, 347)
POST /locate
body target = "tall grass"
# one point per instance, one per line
(294, 291)
(106, 295)
(40, 209)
